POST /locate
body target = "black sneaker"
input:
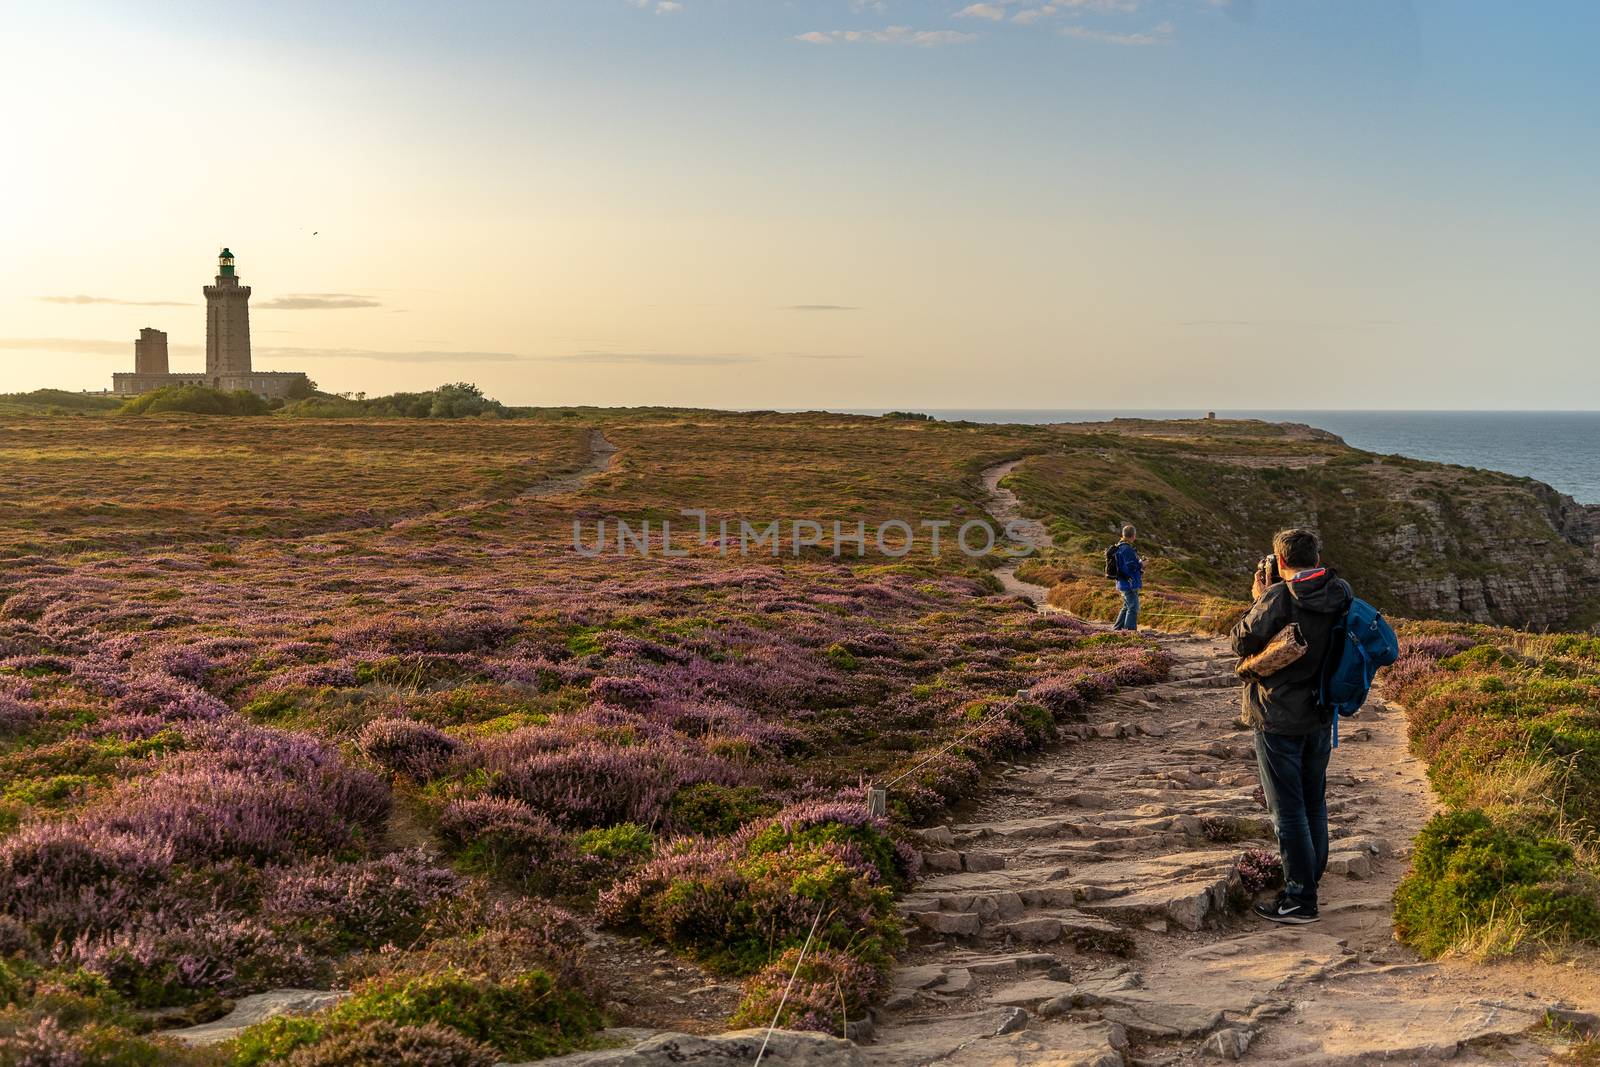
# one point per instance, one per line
(1290, 912)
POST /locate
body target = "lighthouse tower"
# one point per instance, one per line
(227, 328)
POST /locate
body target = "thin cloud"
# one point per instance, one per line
(992, 12)
(84, 346)
(76, 345)
(1158, 34)
(290, 356)
(661, 7)
(317, 302)
(664, 359)
(381, 356)
(903, 35)
(822, 307)
(1352, 324)
(83, 299)
(1032, 12)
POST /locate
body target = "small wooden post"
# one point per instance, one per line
(877, 801)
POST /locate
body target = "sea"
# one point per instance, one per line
(1560, 448)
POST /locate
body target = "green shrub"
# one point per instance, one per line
(394, 1046)
(736, 905)
(273, 1040)
(1469, 871)
(1483, 657)
(628, 842)
(195, 400)
(717, 810)
(525, 1016)
(522, 1016)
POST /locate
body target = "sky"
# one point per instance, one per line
(1305, 204)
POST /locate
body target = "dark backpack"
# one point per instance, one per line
(1361, 642)
(1113, 563)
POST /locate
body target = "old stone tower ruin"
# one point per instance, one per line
(150, 352)
(228, 365)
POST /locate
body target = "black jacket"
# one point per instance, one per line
(1286, 702)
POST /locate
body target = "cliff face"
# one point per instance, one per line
(1419, 539)
(1522, 557)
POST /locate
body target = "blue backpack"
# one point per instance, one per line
(1360, 643)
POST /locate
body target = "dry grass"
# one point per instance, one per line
(80, 484)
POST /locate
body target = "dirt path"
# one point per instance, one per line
(1087, 910)
(1006, 508)
(601, 453)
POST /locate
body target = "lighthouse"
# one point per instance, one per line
(227, 326)
(228, 365)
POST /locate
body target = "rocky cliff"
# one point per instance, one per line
(1418, 539)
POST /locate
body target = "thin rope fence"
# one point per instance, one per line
(1022, 694)
(776, 1015)
(991, 717)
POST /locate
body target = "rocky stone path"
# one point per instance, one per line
(1089, 910)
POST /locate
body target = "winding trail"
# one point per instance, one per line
(601, 453)
(1004, 506)
(1086, 910)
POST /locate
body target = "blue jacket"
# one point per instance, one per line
(1130, 568)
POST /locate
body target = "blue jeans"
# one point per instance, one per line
(1294, 776)
(1128, 617)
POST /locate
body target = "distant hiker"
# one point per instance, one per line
(1123, 564)
(1298, 602)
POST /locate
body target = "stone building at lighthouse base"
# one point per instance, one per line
(228, 358)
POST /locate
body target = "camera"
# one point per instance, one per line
(1268, 568)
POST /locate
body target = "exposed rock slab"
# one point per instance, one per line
(990, 1039)
(786, 1047)
(248, 1011)
(1387, 1019)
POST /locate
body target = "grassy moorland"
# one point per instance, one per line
(113, 485)
(295, 702)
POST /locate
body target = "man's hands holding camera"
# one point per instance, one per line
(1266, 574)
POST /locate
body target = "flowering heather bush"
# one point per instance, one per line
(404, 746)
(170, 958)
(1260, 870)
(210, 815)
(53, 1026)
(595, 784)
(16, 717)
(504, 837)
(169, 699)
(831, 988)
(624, 692)
(395, 1046)
(738, 902)
(364, 904)
(44, 1044)
(1435, 646)
(65, 878)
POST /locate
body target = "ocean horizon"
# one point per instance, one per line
(1560, 448)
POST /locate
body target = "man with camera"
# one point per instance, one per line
(1283, 642)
